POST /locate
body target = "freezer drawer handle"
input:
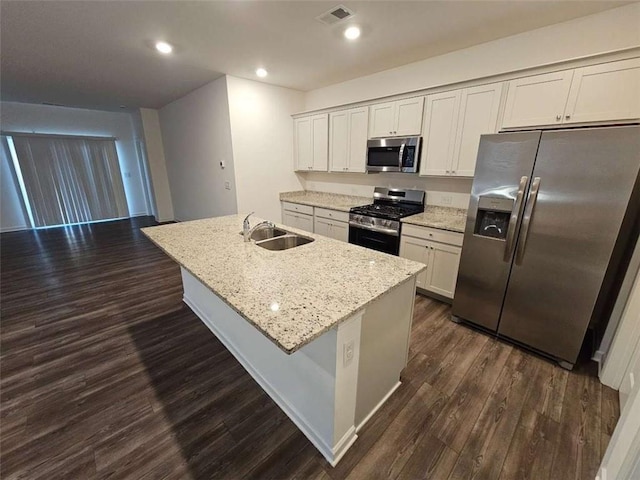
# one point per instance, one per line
(513, 221)
(526, 220)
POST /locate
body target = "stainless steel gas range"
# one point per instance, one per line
(377, 226)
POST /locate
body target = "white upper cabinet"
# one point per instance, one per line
(537, 100)
(453, 124)
(599, 93)
(320, 143)
(440, 126)
(381, 119)
(408, 119)
(302, 143)
(610, 91)
(400, 118)
(358, 128)
(478, 115)
(311, 142)
(348, 140)
(338, 141)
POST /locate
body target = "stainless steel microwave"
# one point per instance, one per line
(393, 154)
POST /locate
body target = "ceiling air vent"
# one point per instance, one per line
(335, 15)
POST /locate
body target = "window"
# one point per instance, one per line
(66, 180)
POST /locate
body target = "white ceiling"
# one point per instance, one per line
(97, 54)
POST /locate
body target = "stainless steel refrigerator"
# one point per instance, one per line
(552, 216)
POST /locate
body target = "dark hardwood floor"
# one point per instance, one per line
(106, 374)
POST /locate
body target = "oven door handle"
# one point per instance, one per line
(388, 231)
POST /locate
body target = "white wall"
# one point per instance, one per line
(196, 136)
(608, 31)
(262, 137)
(25, 117)
(150, 124)
(12, 215)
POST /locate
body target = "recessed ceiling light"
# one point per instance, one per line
(164, 47)
(352, 33)
(261, 72)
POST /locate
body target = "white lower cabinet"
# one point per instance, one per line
(442, 272)
(442, 259)
(332, 229)
(298, 220)
(323, 221)
(332, 223)
(297, 216)
(416, 249)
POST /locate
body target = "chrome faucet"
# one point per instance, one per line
(247, 231)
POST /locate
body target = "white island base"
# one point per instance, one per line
(333, 385)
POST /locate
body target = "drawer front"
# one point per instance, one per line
(294, 207)
(433, 234)
(332, 214)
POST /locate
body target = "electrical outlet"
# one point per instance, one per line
(227, 186)
(447, 199)
(347, 353)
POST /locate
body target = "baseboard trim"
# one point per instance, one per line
(343, 445)
(598, 357)
(14, 229)
(332, 454)
(377, 407)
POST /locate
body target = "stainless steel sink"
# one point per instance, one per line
(266, 233)
(284, 242)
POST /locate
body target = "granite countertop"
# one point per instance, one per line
(332, 201)
(444, 218)
(291, 296)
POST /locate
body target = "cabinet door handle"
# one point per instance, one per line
(558, 117)
(567, 117)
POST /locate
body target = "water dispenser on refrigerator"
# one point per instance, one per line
(493, 216)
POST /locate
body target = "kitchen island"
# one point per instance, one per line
(323, 327)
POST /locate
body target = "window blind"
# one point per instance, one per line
(70, 179)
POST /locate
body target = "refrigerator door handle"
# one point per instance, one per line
(513, 221)
(526, 220)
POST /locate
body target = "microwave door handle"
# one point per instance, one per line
(401, 156)
(513, 221)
